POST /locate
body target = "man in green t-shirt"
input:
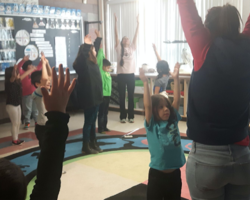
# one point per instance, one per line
(104, 66)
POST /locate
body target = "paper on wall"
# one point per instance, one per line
(61, 51)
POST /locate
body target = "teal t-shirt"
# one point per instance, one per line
(106, 78)
(165, 145)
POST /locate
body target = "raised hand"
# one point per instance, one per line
(138, 19)
(175, 73)
(116, 19)
(97, 33)
(61, 89)
(154, 47)
(142, 75)
(26, 58)
(87, 39)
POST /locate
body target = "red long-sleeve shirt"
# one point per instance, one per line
(28, 87)
(199, 37)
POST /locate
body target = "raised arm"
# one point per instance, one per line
(45, 76)
(83, 54)
(117, 41)
(146, 96)
(156, 53)
(28, 72)
(197, 36)
(98, 41)
(20, 64)
(14, 74)
(136, 33)
(49, 169)
(247, 28)
(48, 67)
(177, 92)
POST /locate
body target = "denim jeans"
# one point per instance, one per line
(29, 108)
(218, 172)
(89, 132)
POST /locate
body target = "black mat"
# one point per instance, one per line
(137, 192)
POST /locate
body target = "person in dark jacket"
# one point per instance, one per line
(89, 90)
(218, 166)
(13, 183)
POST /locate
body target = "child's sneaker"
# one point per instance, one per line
(26, 127)
(101, 131)
(131, 121)
(17, 142)
(123, 121)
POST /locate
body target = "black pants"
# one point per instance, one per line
(165, 186)
(128, 80)
(103, 114)
(40, 132)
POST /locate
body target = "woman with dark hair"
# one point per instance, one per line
(125, 70)
(89, 90)
(218, 166)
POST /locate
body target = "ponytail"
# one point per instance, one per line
(122, 54)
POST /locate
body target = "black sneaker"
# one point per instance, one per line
(106, 129)
(101, 131)
(17, 142)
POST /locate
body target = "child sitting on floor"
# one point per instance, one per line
(164, 142)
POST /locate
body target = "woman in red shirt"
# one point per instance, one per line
(218, 166)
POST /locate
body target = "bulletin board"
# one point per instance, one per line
(34, 34)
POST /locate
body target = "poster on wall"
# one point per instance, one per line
(22, 38)
(32, 51)
(61, 51)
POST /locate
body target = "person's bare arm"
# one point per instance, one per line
(136, 33)
(157, 90)
(177, 92)
(45, 76)
(117, 41)
(156, 53)
(146, 96)
(14, 74)
(48, 67)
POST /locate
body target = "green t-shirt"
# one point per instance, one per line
(106, 78)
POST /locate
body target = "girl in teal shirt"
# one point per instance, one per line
(164, 141)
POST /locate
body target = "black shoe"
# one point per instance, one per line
(106, 129)
(87, 150)
(95, 146)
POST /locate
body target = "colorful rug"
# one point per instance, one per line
(119, 173)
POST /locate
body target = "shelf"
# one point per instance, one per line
(7, 49)
(116, 106)
(7, 61)
(7, 40)
(40, 16)
(7, 28)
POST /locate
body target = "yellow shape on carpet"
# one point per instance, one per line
(133, 165)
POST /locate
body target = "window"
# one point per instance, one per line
(159, 22)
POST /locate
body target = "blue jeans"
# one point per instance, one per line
(29, 108)
(218, 172)
(89, 128)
